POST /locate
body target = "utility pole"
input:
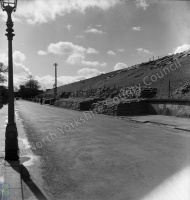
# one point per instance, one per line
(55, 89)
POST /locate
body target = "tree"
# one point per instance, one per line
(30, 88)
(3, 70)
(32, 83)
(3, 95)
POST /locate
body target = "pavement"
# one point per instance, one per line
(11, 183)
(10, 176)
(169, 121)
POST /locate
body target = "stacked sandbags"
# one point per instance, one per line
(122, 108)
(184, 89)
(76, 103)
(65, 95)
(132, 92)
(86, 104)
(103, 107)
(68, 103)
(148, 92)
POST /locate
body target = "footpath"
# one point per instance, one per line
(168, 121)
(10, 176)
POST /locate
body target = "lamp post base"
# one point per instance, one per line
(11, 142)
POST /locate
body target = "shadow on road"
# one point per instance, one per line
(25, 175)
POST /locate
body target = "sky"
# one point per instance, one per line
(89, 37)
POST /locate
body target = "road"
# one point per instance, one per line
(95, 157)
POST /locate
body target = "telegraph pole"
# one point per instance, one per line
(55, 89)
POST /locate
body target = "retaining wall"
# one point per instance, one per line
(171, 107)
(132, 108)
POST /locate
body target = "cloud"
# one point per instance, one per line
(121, 50)
(80, 36)
(90, 63)
(119, 66)
(68, 48)
(65, 48)
(142, 4)
(75, 59)
(136, 28)
(19, 79)
(20, 73)
(91, 51)
(76, 54)
(111, 53)
(42, 53)
(3, 16)
(93, 64)
(3, 58)
(48, 80)
(68, 26)
(43, 11)
(182, 48)
(18, 56)
(88, 73)
(104, 64)
(93, 30)
(142, 51)
(20, 69)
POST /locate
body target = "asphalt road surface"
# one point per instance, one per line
(95, 157)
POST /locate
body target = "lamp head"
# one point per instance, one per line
(8, 4)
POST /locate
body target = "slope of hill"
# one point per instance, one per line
(156, 74)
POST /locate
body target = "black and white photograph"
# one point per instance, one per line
(94, 100)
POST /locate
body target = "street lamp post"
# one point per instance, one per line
(55, 88)
(11, 135)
